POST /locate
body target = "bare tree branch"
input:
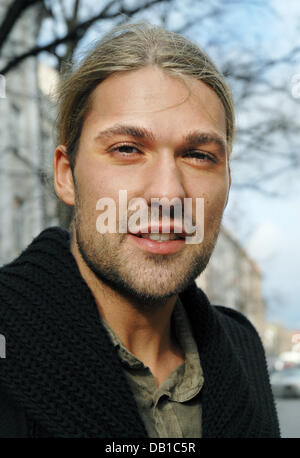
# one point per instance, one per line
(250, 75)
(78, 31)
(14, 11)
(259, 183)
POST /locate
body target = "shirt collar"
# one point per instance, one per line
(187, 379)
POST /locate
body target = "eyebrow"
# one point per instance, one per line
(193, 139)
(202, 138)
(122, 129)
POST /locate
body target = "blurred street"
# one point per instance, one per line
(289, 417)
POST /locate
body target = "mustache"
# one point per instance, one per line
(162, 215)
(174, 211)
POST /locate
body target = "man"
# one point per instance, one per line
(106, 333)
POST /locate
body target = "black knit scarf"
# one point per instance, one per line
(61, 366)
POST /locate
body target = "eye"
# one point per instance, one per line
(199, 156)
(125, 150)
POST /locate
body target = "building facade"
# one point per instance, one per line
(234, 280)
(26, 144)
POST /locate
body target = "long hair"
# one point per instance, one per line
(132, 47)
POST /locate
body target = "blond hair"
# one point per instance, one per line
(132, 47)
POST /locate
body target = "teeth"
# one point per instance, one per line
(161, 237)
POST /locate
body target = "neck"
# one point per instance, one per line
(144, 329)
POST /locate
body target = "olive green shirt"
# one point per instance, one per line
(173, 409)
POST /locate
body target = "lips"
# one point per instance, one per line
(155, 231)
(159, 238)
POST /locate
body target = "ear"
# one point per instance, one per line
(63, 178)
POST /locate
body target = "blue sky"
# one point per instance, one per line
(269, 228)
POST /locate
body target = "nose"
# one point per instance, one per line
(164, 180)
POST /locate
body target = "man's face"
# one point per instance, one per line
(172, 149)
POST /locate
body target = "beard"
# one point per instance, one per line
(146, 279)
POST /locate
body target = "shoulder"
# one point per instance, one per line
(230, 319)
(217, 323)
(246, 341)
(236, 324)
(235, 318)
(13, 419)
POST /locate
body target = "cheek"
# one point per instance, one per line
(100, 179)
(94, 182)
(214, 203)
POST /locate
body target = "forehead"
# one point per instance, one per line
(157, 100)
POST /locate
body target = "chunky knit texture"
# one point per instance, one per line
(62, 368)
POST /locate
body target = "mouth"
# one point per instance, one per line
(157, 243)
(157, 237)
